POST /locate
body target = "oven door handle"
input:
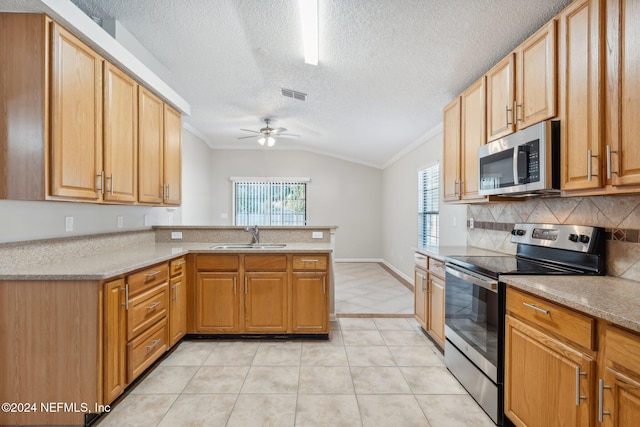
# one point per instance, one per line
(489, 285)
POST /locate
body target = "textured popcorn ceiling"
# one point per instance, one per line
(387, 67)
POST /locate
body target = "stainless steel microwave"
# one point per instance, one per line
(523, 163)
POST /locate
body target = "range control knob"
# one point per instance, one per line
(573, 237)
(584, 238)
(518, 232)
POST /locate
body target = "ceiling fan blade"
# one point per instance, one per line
(249, 130)
(288, 135)
(278, 130)
(250, 136)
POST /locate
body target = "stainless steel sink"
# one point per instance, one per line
(249, 246)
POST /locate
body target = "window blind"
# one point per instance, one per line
(428, 206)
(270, 201)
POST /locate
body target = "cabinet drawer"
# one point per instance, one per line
(148, 278)
(265, 262)
(559, 320)
(146, 309)
(147, 348)
(177, 266)
(436, 267)
(420, 260)
(218, 262)
(309, 262)
(623, 348)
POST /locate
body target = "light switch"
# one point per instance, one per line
(120, 221)
(68, 223)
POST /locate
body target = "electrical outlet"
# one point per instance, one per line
(68, 224)
(316, 235)
(176, 235)
(470, 222)
(120, 221)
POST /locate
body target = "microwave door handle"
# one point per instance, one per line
(516, 157)
(522, 168)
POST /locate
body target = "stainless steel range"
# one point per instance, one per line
(475, 300)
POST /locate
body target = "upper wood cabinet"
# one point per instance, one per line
(151, 143)
(172, 156)
(120, 136)
(536, 77)
(472, 136)
(500, 98)
(451, 151)
(76, 118)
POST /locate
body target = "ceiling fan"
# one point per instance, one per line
(267, 134)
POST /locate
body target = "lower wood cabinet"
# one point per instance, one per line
(428, 285)
(217, 302)
(309, 302)
(420, 297)
(266, 302)
(177, 302)
(115, 340)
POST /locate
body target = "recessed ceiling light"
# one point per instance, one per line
(309, 21)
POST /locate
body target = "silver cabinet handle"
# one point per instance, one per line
(601, 388)
(609, 171)
(324, 285)
(246, 287)
(507, 109)
(126, 296)
(455, 188)
(168, 195)
(309, 260)
(515, 111)
(234, 284)
(152, 274)
(578, 374)
(101, 181)
(180, 263)
(153, 344)
(110, 178)
(590, 173)
(533, 306)
(154, 305)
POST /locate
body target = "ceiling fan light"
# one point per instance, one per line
(271, 141)
(261, 140)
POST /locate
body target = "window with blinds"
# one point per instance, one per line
(428, 205)
(270, 201)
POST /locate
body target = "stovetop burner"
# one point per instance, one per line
(493, 266)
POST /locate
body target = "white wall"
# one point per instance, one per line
(341, 193)
(400, 208)
(197, 201)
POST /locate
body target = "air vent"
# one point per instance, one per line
(293, 94)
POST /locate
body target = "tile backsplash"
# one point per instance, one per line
(619, 215)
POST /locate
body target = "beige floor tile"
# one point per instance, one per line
(166, 380)
(379, 380)
(278, 354)
(210, 410)
(335, 337)
(217, 379)
(415, 356)
(357, 337)
(139, 410)
(274, 410)
(393, 324)
(432, 380)
(369, 355)
(405, 338)
(453, 410)
(327, 411)
(232, 353)
(271, 379)
(391, 411)
(190, 353)
(357, 323)
(321, 354)
(325, 380)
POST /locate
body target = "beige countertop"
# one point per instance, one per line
(610, 298)
(115, 263)
(440, 252)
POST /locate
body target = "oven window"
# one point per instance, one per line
(471, 312)
(496, 170)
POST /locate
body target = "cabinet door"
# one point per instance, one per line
(266, 302)
(150, 151)
(309, 301)
(579, 30)
(172, 156)
(177, 309)
(115, 340)
(451, 151)
(621, 400)
(500, 98)
(217, 302)
(536, 77)
(436, 308)
(76, 118)
(120, 153)
(623, 38)
(540, 379)
(420, 296)
(472, 137)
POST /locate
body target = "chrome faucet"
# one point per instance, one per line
(255, 233)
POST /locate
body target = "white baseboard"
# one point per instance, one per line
(398, 272)
(358, 260)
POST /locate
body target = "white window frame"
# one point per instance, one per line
(428, 239)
